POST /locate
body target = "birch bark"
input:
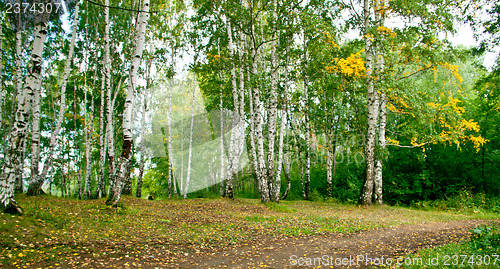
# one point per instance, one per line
(272, 112)
(13, 153)
(124, 163)
(170, 151)
(379, 15)
(307, 187)
(89, 124)
(1, 67)
(190, 150)
(35, 133)
(19, 86)
(138, 191)
(257, 118)
(36, 183)
(367, 191)
(232, 142)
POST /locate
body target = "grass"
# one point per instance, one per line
(482, 251)
(58, 229)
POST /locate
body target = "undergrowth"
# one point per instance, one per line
(481, 251)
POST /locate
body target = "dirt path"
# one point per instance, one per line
(329, 251)
(353, 250)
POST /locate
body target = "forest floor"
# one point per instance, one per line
(220, 233)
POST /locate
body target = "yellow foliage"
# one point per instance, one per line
(478, 141)
(458, 131)
(386, 31)
(352, 66)
(392, 141)
(391, 107)
(470, 125)
(453, 103)
(434, 105)
(454, 71)
(414, 142)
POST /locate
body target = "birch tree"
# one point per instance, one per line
(19, 130)
(127, 113)
(110, 140)
(367, 191)
(306, 187)
(37, 180)
(231, 152)
(145, 100)
(190, 149)
(272, 111)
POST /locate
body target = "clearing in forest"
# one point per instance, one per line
(213, 233)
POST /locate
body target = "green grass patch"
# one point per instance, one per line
(481, 251)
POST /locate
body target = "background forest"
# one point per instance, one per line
(357, 101)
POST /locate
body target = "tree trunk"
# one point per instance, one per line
(19, 86)
(241, 114)
(381, 142)
(101, 184)
(229, 192)
(35, 135)
(257, 118)
(252, 132)
(382, 109)
(307, 187)
(272, 112)
(222, 152)
(138, 190)
(110, 140)
(124, 164)
(286, 157)
(277, 184)
(190, 150)
(367, 191)
(1, 69)
(36, 185)
(89, 123)
(329, 176)
(12, 155)
(171, 181)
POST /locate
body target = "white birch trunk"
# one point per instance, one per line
(138, 191)
(329, 175)
(110, 140)
(382, 144)
(257, 118)
(36, 185)
(101, 188)
(367, 191)
(307, 174)
(222, 152)
(124, 163)
(1, 68)
(277, 190)
(252, 130)
(19, 86)
(170, 151)
(35, 133)
(382, 109)
(190, 150)
(232, 143)
(89, 123)
(272, 112)
(241, 135)
(13, 153)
